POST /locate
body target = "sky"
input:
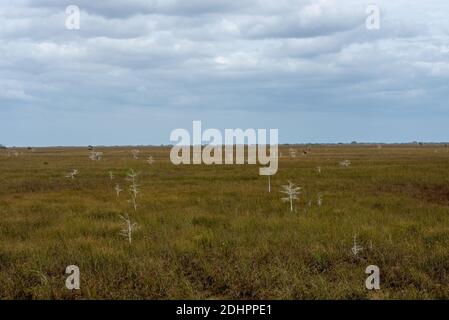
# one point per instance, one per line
(135, 70)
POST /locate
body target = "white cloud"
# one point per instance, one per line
(270, 55)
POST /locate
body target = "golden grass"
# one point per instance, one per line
(214, 231)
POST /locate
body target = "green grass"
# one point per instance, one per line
(210, 232)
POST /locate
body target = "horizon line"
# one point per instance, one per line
(353, 143)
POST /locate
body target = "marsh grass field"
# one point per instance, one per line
(214, 232)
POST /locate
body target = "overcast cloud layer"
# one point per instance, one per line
(138, 69)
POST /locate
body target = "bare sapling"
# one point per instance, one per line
(292, 192)
(128, 229)
(355, 247)
(135, 153)
(319, 200)
(94, 155)
(117, 190)
(345, 163)
(72, 174)
(150, 160)
(133, 188)
(130, 226)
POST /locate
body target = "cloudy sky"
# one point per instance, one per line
(137, 69)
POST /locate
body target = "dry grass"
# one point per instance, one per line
(215, 232)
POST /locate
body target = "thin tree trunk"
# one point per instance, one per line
(129, 232)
